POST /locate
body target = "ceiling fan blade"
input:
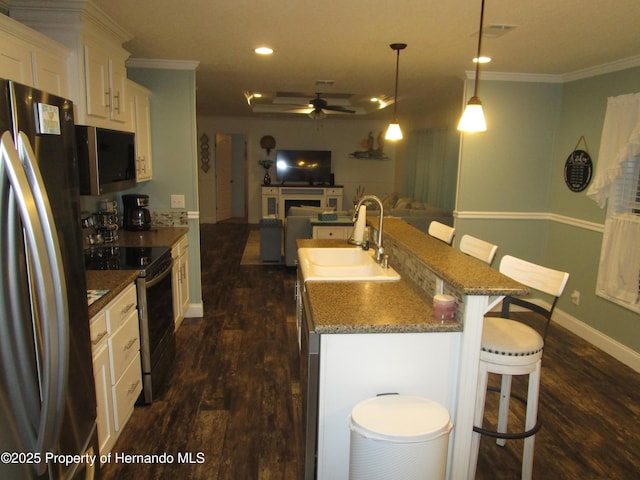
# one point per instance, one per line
(338, 108)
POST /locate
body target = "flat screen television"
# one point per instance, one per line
(310, 167)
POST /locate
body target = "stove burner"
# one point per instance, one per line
(121, 258)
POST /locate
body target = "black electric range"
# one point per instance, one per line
(154, 287)
(125, 258)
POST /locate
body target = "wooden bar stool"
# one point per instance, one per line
(512, 348)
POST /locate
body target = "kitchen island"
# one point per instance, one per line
(380, 337)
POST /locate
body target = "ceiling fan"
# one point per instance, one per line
(320, 105)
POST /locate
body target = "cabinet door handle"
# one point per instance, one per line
(116, 106)
(133, 387)
(130, 344)
(126, 309)
(108, 95)
(99, 337)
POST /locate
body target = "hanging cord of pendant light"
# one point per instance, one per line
(393, 131)
(473, 117)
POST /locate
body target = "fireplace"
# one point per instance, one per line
(306, 202)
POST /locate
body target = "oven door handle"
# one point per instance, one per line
(159, 278)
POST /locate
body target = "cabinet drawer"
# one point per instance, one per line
(126, 392)
(180, 248)
(331, 232)
(99, 332)
(270, 190)
(119, 310)
(124, 344)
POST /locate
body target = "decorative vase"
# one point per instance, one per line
(267, 178)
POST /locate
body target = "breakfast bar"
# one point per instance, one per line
(381, 337)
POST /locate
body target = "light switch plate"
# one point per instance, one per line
(177, 201)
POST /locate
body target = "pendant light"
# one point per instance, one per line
(393, 130)
(473, 116)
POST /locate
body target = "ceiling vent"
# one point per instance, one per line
(496, 30)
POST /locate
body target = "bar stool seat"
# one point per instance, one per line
(508, 342)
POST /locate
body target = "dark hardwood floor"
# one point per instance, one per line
(234, 403)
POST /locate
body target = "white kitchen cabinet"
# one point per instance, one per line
(105, 84)
(139, 109)
(117, 369)
(102, 379)
(180, 273)
(97, 73)
(30, 58)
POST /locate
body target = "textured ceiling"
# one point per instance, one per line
(348, 43)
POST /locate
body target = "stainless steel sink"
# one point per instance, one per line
(342, 264)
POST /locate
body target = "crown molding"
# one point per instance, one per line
(615, 66)
(162, 64)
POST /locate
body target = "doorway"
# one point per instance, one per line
(222, 189)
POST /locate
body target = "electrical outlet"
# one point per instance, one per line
(575, 297)
(177, 201)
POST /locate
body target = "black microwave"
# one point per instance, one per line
(106, 160)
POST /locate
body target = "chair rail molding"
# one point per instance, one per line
(549, 216)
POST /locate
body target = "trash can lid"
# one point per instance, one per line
(400, 419)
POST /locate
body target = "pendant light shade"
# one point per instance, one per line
(393, 130)
(473, 120)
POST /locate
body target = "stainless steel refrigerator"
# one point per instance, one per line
(47, 393)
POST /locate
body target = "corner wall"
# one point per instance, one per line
(511, 192)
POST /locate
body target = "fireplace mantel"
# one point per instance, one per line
(277, 199)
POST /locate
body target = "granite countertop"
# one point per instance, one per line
(464, 273)
(400, 307)
(113, 280)
(372, 307)
(157, 237)
(117, 280)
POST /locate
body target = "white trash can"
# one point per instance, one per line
(399, 437)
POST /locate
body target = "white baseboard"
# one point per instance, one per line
(194, 310)
(617, 350)
(607, 344)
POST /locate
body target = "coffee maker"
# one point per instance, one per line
(136, 215)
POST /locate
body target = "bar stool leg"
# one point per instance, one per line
(481, 393)
(530, 422)
(503, 415)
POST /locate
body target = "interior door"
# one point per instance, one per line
(224, 182)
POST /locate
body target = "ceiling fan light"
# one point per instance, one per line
(317, 115)
(393, 132)
(473, 120)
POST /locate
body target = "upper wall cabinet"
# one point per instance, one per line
(140, 118)
(106, 85)
(97, 72)
(30, 58)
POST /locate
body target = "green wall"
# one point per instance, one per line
(174, 148)
(511, 188)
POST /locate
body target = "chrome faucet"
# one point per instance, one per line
(379, 248)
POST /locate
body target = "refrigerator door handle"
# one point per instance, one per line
(56, 295)
(44, 284)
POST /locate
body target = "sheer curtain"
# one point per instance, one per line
(617, 182)
(427, 173)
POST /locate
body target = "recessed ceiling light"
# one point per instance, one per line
(482, 60)
(263, 51)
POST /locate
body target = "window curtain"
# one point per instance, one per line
(619, 270)
(620, 141)
(426, 173)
